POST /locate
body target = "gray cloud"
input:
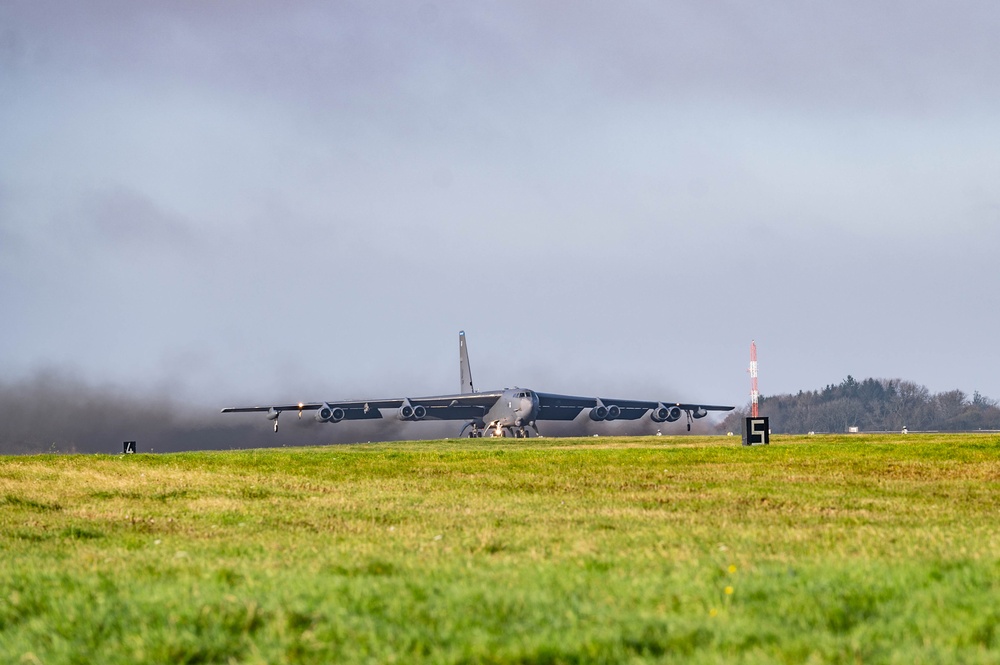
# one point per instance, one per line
(126, 219)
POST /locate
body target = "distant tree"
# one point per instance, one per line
(873, 405)
(871, 390)
(950, 407)
(910, 408)
(849, 388)
(982, 402)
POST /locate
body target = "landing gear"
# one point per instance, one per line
(475, 430)
(497, 430)
(272, 414)
(518, 431)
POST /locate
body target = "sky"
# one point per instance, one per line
(237, 203)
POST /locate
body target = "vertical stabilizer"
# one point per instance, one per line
(463, 364)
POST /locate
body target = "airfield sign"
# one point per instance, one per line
(756, 432)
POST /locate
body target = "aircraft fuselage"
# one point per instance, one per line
(516, 407)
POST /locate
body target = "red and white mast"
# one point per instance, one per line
(754, 393)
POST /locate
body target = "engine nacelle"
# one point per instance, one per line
(325, 413)
(613, 412)
(699, 413)
(410, 412)
(665, 414)
(599, 412)
(273, 413)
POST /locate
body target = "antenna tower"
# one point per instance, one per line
(754, 393)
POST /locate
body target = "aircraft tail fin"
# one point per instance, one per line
(463, 365)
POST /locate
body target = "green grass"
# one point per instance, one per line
(824, 549)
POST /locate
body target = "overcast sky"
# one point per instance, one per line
(239, 202)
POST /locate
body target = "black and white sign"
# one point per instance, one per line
(756, 432)
(129, 447)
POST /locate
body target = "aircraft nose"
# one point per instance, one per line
(527, 407)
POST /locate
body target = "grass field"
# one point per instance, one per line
(824, 549)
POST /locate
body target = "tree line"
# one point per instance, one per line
(873, 405)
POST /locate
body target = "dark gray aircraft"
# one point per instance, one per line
(509, 412)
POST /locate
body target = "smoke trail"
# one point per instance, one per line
(56, 411)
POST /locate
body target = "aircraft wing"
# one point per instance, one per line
(568, 407)
(440, 407)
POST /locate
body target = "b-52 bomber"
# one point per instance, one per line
(510, 412)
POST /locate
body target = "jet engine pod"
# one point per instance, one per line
(410, 412)
(613, 412)
(698, 413)
(324, 413)
(337, 414)
(599, 412)
(665, 414)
